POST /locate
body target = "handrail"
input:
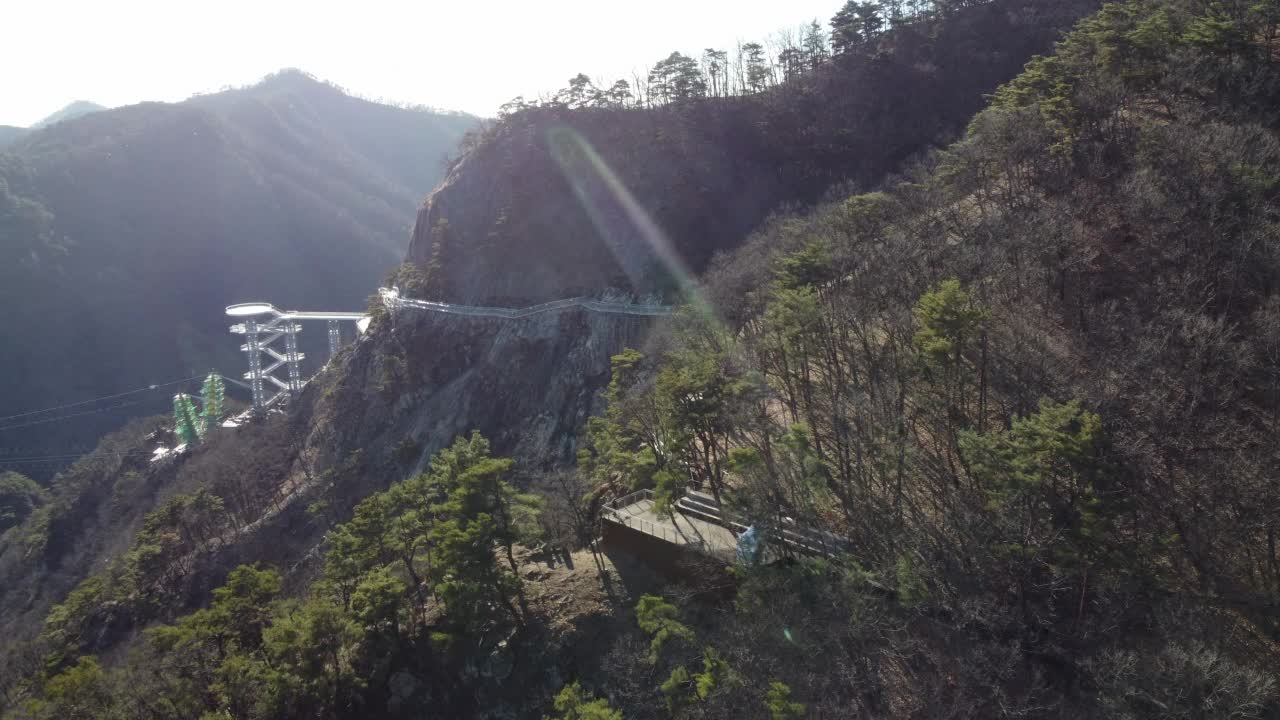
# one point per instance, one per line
(807, 540)
(392, 299)
(667, 534)
(819, 542)
(630, 499)
(803, 540)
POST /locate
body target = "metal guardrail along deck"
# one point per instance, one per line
(699, 524)
(637, 512)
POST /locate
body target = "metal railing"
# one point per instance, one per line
(629, 500)
(391, 297)
(646, 527)
(806, 541)
(616, 511)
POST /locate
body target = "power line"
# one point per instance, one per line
(24, 458)
(98, 410)
(66, 460)
(105, 397)
(234, 381)
(71, 458)
(72, 415)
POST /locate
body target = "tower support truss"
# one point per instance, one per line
(335, 337)
(262, 328)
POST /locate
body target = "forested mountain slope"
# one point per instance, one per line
(272, 491)
(124, 233)
(1031, 381)
(532, 211)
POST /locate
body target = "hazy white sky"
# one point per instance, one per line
(470, 55)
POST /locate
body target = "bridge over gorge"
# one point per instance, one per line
(698, 524)
(263, 325)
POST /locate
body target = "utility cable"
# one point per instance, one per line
(72, 415)
(105, 397)
(99, 410)
(126, 453)
(55, 460)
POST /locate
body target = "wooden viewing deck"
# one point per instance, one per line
(636, 511)
(700, 525)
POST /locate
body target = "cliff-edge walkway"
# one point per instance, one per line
(393, 300)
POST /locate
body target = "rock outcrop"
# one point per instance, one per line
(527, 384)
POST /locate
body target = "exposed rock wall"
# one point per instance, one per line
(527, 384)
(530, 215)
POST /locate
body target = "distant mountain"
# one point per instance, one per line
(72, 110)
(10, 133)
(124, 233)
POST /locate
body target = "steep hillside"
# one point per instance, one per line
(123, 233)
(531, 211)
(417, 382)
(1030, 385)
(396, 397)
(1033, 383)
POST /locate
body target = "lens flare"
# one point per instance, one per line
(636, 241)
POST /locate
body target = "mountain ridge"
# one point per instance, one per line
(1030, 381)
(394, 399)
(523, 216)
(282, 191)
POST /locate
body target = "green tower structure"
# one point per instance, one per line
(214, 393)
(187, 423)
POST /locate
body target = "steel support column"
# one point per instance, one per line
(263, 325)
(335, 338)
(254, 376)
(293, 357)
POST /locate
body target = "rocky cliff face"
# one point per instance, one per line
(421, 379)
(424, 378)
(533, 213)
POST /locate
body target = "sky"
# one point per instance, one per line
(470, 55)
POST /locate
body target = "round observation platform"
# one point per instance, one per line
(251, 309)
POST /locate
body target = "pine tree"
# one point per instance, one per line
(619, 95)
(574, 703)
(780, 705)
(757, 67)
(580, 93)
(677, 78)
(845, 29)
(814, 45)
